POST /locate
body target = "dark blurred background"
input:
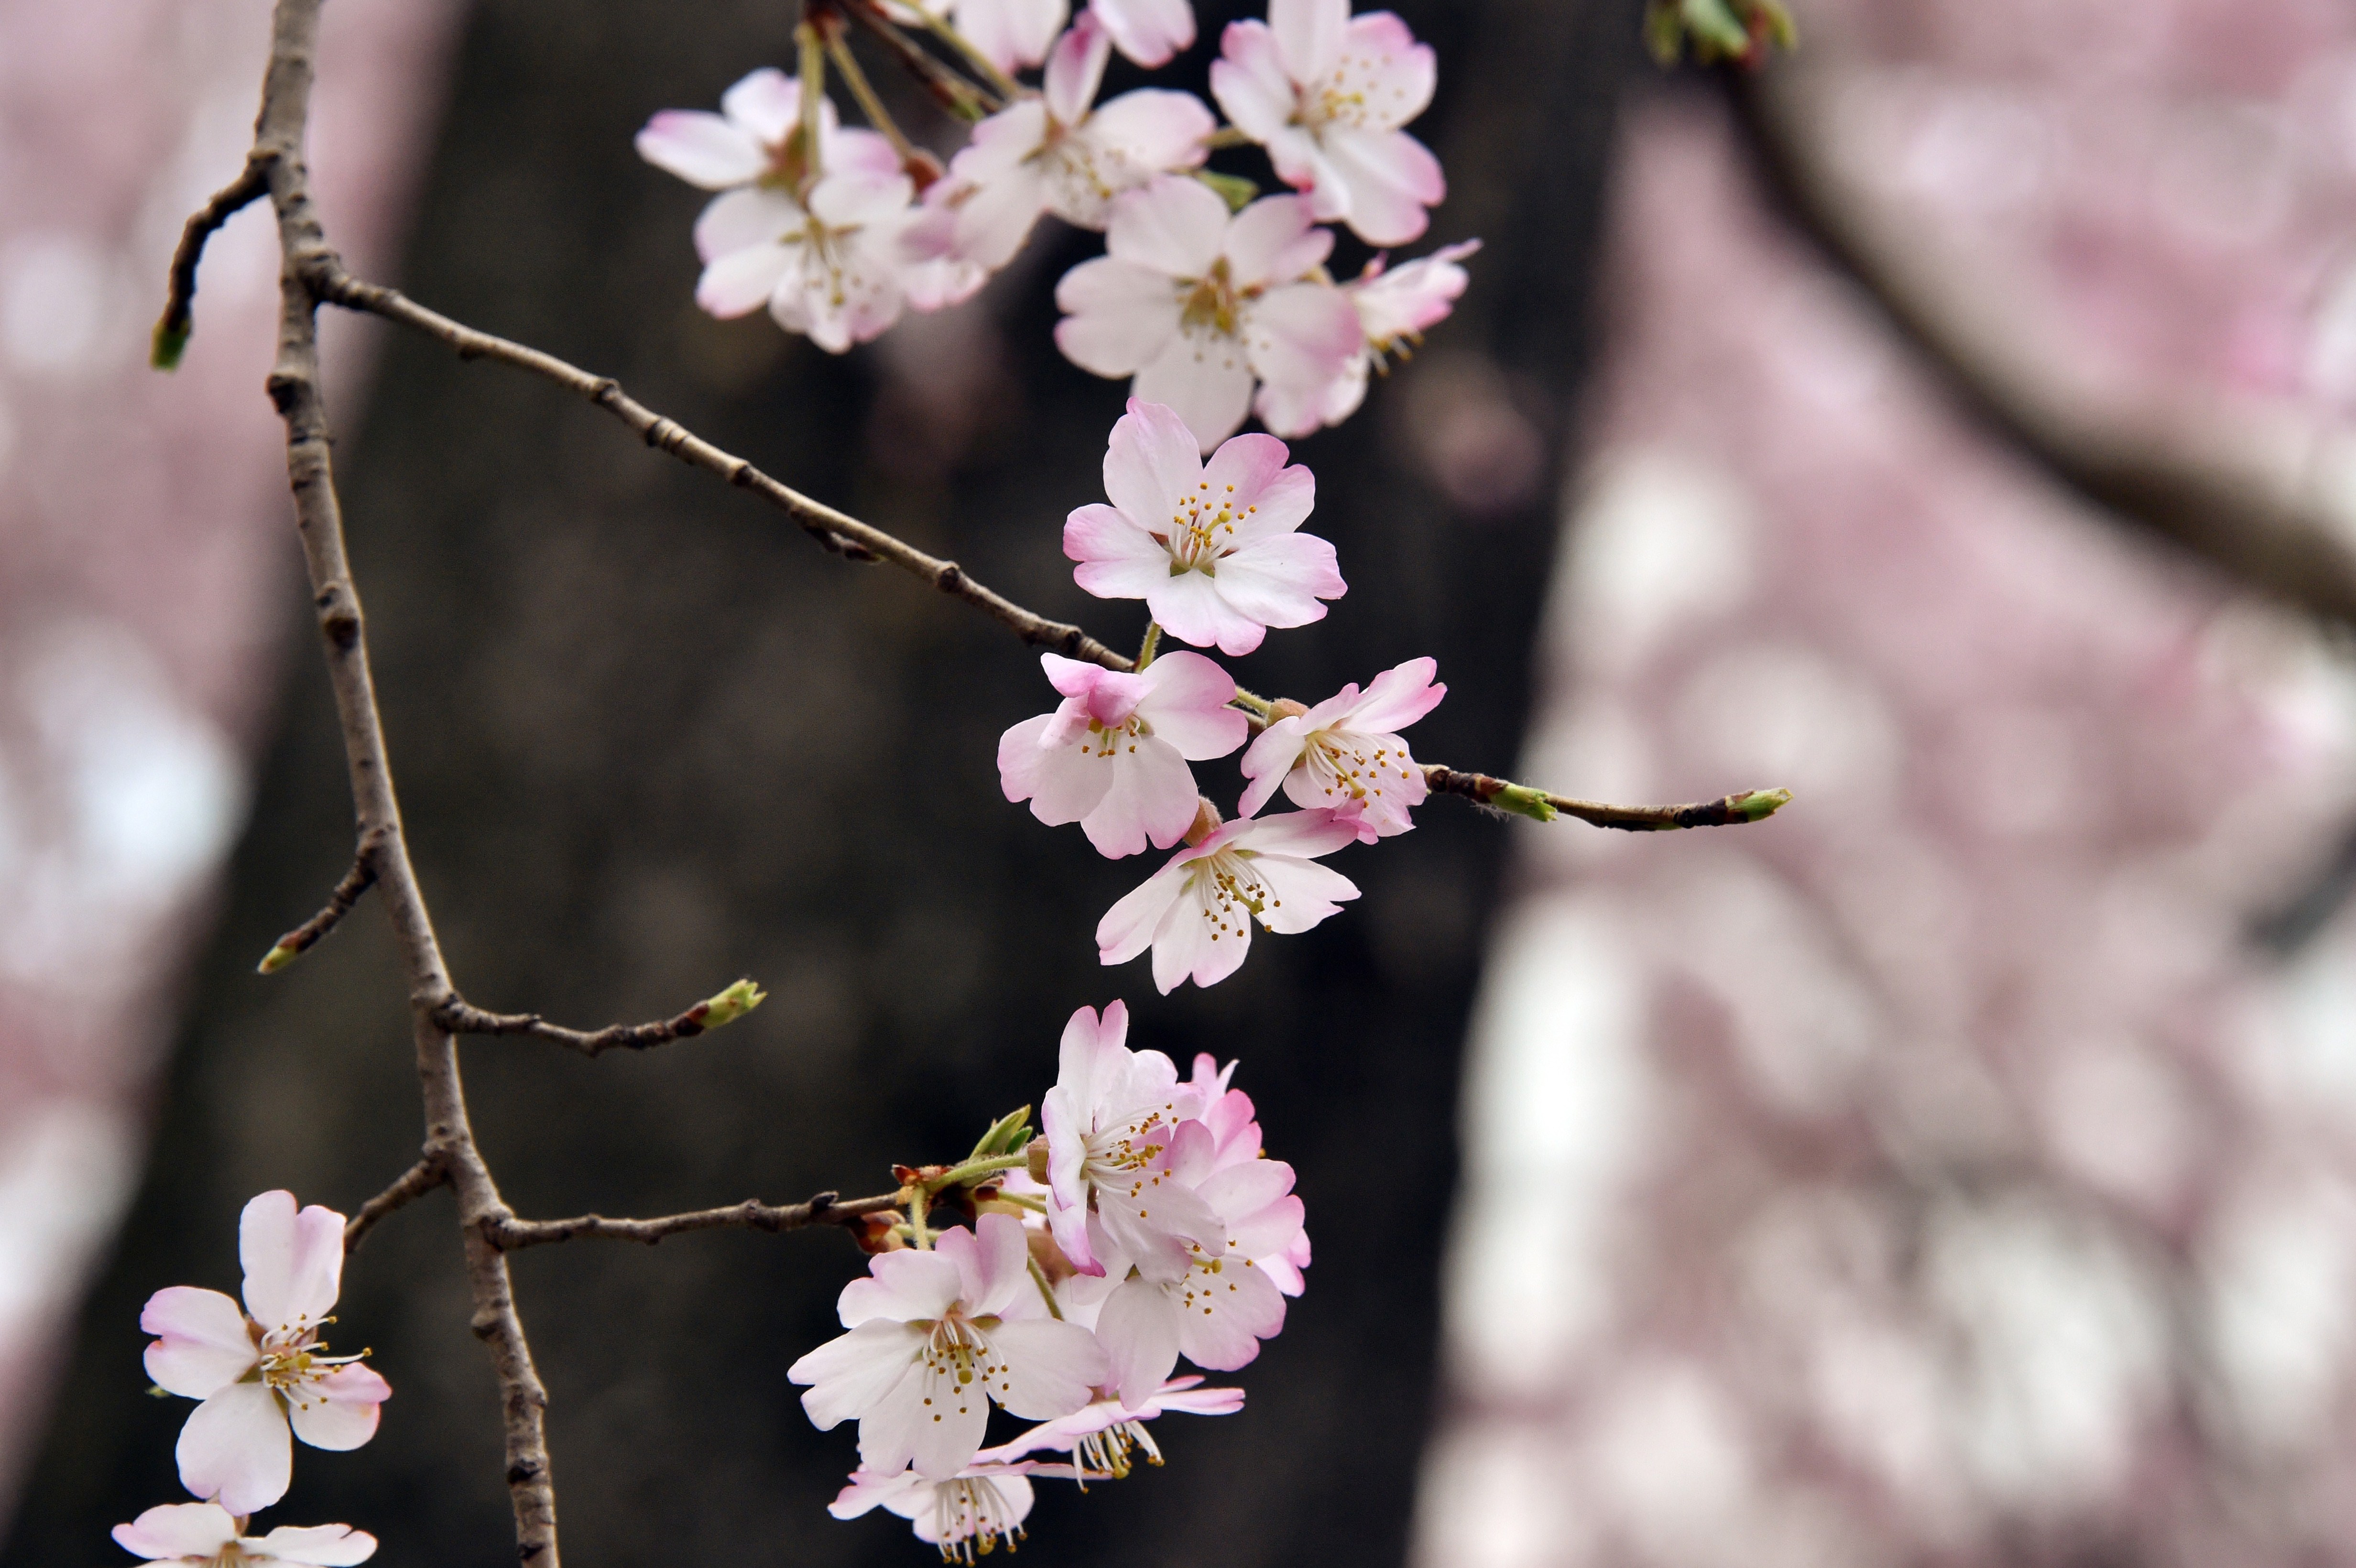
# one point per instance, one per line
(649, 738)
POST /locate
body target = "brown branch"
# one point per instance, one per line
(459, 1015)
(295, 942)
(178, 320)
(432, 1171)
(1751, 806)
(950, 90)
(508, 1233)
(2264, 496)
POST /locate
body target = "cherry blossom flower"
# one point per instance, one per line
(1013, 35)
(1213, 549)
(754, 140)
(1148, 31)
(978, 1510)
(1396, 306)
(1053, 154)
(1197, 306)
(260, 1368)
(1235, 1137)
(1345, 753)
(206, 1535)
(1102, 1436)
(1112, 757)
(1109, 1123)
(933, 1338)
(1326, 94)
(1196, 912)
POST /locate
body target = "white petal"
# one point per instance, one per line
(768, 104)
(941, 1419)
(1128, 928)
(1187, 706)
(1301, 893)
(701, 149)
(1051, 1368)
(340, 1412)
(1274, 241)
(1205, 375)
(205, 1345)
(1076, 67)
(852, 1374)
(1117, 315)
(1220, 1324)
(1173, 225)
(1064, 784)
(742, 282)
(293, 1262)
(1151, 798)
(901, 1286)
(179, 1530)
(740, 219)
(235, 1450)
(320, 1545)
(1249, 83)
(993, 1260)
(1148, 31)
(1138, 1328)
(1308, 34)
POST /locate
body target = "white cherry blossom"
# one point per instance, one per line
(754, 140)
(1213, 549)
(205, 1535)
(1148, 31)
(1102, 1436)
(1112, 757)
(261, 1367)
(1326, 94)
(934, 1337)
(1056, 154)
(1396, 306)
(1345, 755)
(1110, 1122)
(977, 1510)
(1196, 912)
(1198, 306)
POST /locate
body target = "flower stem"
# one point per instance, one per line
(1039, 1278)
(1261, 706)
(813, 95)
(1007, 87)
(838, 47)
(972, 1169)
(1152, 645)
(918, 1199)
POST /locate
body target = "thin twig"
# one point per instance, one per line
(1733, 810)
(460, 1017)
(508, 1233)
(430, 1171)
(178, 320)
(299, 941)
(950, 90)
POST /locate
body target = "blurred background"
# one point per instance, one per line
(1954, 1170)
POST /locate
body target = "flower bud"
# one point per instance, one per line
(727, 1007)
(1036, 1163)
(1207, 822)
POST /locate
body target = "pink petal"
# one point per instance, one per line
(1063, 783)
(1272, 757)
(1152, 797)
(1051, 1368)
(1013, 34)
(743, 282)
(293, 1262)
(745, 219)
(235, 1450)
(1302, 338)
(1279, 581)
(1241, 1308)
(1202, 1400)
(1147, 31)
(1398, 697)
(1118, 559)
(1194, 609)
(1151, 464)
(1274, 496)
(1203, 374)
(901, 1287)
(941, 1437)
(1188, 946)
(1303, 835)
(1075, 68)
(1392, 178)
(862, 152)
(854, 1375)
(340, 1412)
(1383, 68)
(1308, 34)
(179, 1530)
(320, 1545)
(1128, 928)
(701, 149)
(1302, 893)
(1187, 706)
(1014, 1491)
(205, 1345)
(868, 1490)
(992, 1259)
(1171, 225)
(1117, 315)
(1275, 240)
(1248, 80)
(1153, 128)
(1139, 1330)
(854, 200)
(767, 104)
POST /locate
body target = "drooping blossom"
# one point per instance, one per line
(977, 1510)
(1235, 1139)
(1147, 31)
(1326, 94)
(1396, 306)
(1056, 154)
(935, 1336)
(1102, 1436)
(1112, 756)
(1345, 755)
(1213, 549)
(1196, 912)
(262, 1367)
(205, 1536)
(1109, 1123)
(1198, 306)
(1013, 35)
(825, 248)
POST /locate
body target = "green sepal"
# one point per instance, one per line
(1006, 1135)
(1760, 803)
(732, 1004)
(1234, 189)
(169, 343)
(1524, 801)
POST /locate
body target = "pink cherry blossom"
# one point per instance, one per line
(1345, 753)
(1109, 1123)
(751, 140)
(977, 1510)
(1326, 94)
(1235, 1139)
(1148, 31)
(260, 1369)
(1054, 154)
(1013, 35)
(1396, 306)
(1213, 549)
(1197, 306)
(933, 1338)
(205, 1535)
(1196, 912)
(1101, 1436)
(1112, 757)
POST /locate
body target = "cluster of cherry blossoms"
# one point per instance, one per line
(1145, 1224)
(264, 1378)
(1211, 301)
(1215, 551)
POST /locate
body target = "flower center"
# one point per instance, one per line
(1214, 301)
(1226, 890)
(972, 1515)
(1108, 1452)
(959, 1348)
(1202, 528)
(1339, 763)
(291, 1359)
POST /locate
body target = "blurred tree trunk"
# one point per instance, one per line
(649, 739)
